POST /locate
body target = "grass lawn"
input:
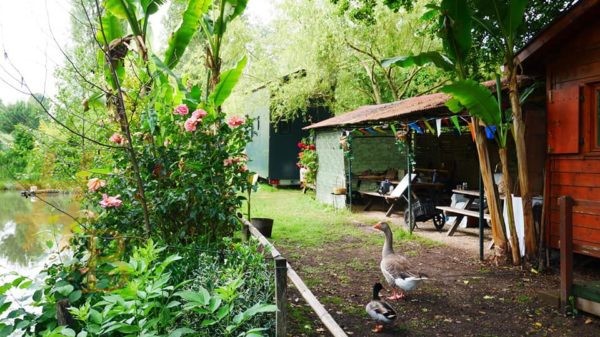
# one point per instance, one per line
(301, 220)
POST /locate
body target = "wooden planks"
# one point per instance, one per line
(466, 212)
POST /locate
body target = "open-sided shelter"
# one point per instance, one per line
(439, 144)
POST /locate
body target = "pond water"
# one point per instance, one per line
(30, 229)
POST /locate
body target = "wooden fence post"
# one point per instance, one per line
(245, 232)
(281, 295)
(566, 251)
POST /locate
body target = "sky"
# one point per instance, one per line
(33, 54)
(25, 37)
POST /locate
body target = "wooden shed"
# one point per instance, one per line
(566, 54)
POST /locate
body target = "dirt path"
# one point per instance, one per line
(464, 298)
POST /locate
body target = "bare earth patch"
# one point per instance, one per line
(465, 297)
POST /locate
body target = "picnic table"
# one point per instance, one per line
(461, 212)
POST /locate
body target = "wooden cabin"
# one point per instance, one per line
(566, 54)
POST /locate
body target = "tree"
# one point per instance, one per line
(501, 23)
(27, 113)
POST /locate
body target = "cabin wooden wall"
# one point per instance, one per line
(573, 170)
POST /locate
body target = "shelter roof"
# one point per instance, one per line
(557, 32)
(410, 109)
(369, 114)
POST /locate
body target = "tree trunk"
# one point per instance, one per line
(491, 192)
(519, 137)
(514, 240)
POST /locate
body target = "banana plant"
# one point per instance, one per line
(454, 26)
(503, 21)
(478, 100)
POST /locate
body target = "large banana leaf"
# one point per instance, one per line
(112, 28)
(228, 81)
(190, 23)
(501, 18)
(477, 99)
(514, 18)
(125, 10)
(438, 59)
(456, 24)
(233, 8)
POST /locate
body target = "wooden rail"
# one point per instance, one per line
(283, 269)
(566, 205)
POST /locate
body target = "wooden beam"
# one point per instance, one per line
(566, 251)
(324, 316)
(281, 296)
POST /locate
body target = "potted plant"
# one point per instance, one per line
(264, 225)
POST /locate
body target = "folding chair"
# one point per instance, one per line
(394, 197)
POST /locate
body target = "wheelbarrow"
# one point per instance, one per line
(424, 211)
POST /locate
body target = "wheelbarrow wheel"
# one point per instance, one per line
(438, 221)
(407, 216)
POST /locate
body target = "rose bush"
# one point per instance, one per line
(307, 159)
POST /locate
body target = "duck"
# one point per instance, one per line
(396, 268)
(381, 311)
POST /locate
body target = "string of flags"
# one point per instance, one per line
(425, 126)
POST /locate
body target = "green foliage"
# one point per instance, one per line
(180, 39)
(240, 278)
(26, 113)
(475, 98)
(439, 60)
(229, 79)
(141, 296)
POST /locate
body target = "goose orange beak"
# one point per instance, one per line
(377, 226)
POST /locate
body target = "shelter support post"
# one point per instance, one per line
(481, 219)
(566, 251)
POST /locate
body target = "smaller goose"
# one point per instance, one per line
(380, 310)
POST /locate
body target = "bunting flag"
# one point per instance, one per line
(422, 126)
(490, 131)
(438, 126)
(472, 129)
(415, 127)
(428, 126)
(379, 130)
(371, 131)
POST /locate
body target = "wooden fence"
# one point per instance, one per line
(283, 272)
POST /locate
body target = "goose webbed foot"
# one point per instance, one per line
(378, 328)
(396, 295)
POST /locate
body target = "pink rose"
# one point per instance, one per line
(190, 124)
(116, 138)
(95, 184)
(243, 168)
(107, 201)
(199, 114)
(228, 162)
(181, 109)
(235, 121)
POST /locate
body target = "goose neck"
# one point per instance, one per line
(388, 244)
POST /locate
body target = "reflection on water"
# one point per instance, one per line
(29, 226)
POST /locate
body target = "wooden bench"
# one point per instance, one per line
(461, 213)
